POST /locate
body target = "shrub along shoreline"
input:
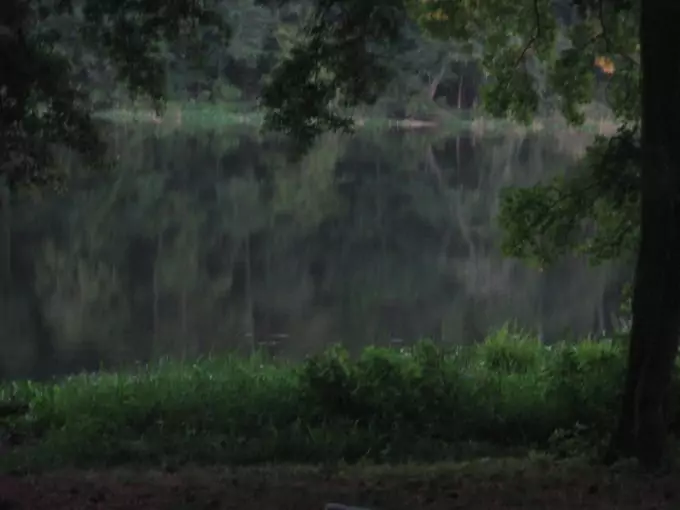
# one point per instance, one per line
(425, 403)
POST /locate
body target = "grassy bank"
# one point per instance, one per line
(212, 116)
(507, 394)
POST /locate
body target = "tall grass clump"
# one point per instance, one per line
(420, 403)
(179, 410)
(508, 351)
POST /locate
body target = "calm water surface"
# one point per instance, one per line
(202, 241)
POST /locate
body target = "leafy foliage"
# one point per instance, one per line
(542, 56)
(41, 103)
(339, 62)
(592, 211)
(330, 408)
(526, 63)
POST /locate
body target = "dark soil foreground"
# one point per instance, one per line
(477, 486)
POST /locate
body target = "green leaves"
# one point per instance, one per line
(592, 211)
(130, 33)
(535, 54)
(341, 61)
(42, 104)
(573, 81)
(532, 52)
(511, 92)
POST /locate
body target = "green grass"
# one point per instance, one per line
(206, 116)
(228, 114)
(509, 394)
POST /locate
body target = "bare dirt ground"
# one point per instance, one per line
(477, 486)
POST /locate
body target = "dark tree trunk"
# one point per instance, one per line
(656, 297)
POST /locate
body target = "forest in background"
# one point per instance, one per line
(431, 77)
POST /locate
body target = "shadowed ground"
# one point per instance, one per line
(483, 485)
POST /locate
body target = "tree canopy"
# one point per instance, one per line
(42, 102)
(537, 55)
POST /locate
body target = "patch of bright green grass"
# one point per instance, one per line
(424, 403)
(199, 115)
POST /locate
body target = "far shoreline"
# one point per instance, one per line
(219, 115)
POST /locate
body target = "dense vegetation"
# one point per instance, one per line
(508, 394)
(202, 68)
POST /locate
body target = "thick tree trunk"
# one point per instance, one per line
(656, 296)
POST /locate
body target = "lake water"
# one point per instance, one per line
(200, 241)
